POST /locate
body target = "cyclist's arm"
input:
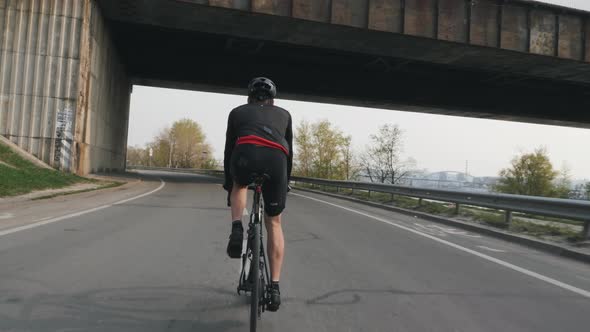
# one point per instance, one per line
(289, 138)
(230, 142)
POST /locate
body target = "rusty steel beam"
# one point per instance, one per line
(484, 25)
(543, 32)
(350, 12)
(420, 18)
(452, 20)
(516, 25)
(273, 7)
(514, 28)
(586, 40)
(570, 43)
(313, 10)
(386, 15)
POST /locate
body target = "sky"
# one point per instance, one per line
(437, 142)
(580, 4)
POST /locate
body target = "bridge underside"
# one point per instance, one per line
(66, 67)
(183, 45)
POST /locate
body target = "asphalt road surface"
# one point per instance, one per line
(158, 263)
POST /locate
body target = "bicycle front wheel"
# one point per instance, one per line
(255, 277)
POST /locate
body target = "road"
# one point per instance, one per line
(158, 263)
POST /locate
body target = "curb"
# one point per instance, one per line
(533, 243)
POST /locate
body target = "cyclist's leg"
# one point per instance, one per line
(240, 171)
(274, 193)
(238, 197)
(275, 245)
(243, 163)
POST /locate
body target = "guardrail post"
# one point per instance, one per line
(586, 231)
(508, 217)
(419, 201)
(368, 194)
(337, 189)
(457, 207)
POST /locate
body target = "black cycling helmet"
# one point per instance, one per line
(262, 88)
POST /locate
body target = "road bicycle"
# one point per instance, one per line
(254, 275)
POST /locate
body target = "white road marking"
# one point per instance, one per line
(41, 219)
(529, 273)
(162, 184)
(443, 231)
(6, 216)
(76, 214)
(430, 230)
(491, 249)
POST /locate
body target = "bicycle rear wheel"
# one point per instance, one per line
(255, 277)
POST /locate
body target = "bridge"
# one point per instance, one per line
(68, 66)
(150, 257)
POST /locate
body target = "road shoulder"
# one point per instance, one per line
(18, 212)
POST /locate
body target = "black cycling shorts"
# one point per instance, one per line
(250, 159)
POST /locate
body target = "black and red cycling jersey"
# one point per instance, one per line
(258, 124)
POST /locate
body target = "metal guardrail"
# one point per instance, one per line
(211, 172)
(550, 207)
(541, 206)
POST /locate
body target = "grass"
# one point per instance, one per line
(19, 176)
(553, 219)
(488, 217)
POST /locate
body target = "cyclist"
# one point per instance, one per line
(259, 140)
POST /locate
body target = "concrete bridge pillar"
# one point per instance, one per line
(64, 93)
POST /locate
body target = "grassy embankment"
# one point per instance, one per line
(19, 176)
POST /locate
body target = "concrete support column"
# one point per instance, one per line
(81, 132)
(102, 113)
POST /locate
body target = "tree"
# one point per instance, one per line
(189, 149)
(305, 149)
(351, 170)
(161, 148)
(322, 151)
(587, 187)
(382, 161)
(137, 156)
(563, 183)
(530, 174)
(182, 146)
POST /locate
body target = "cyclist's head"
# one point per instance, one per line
(261, 90)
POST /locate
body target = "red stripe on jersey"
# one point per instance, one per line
(252, 139)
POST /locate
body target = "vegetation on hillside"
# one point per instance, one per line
(19, 176)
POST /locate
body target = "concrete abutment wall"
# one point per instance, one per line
(64, 94)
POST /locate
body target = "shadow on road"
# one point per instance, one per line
(125, 309)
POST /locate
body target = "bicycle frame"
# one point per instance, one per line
(255, 223)
(257, 218)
